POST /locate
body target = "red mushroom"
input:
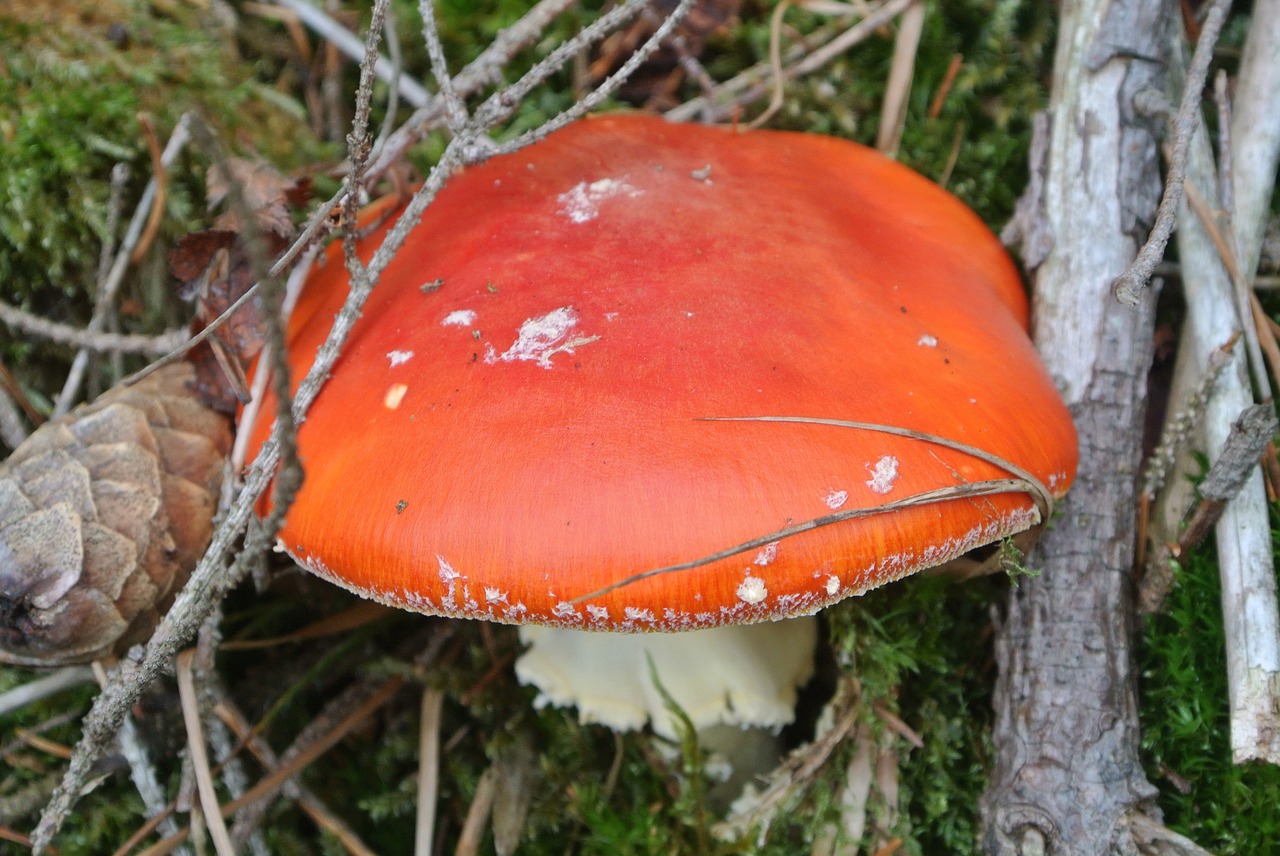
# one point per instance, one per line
(660, 347)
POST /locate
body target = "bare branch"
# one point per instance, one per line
(1130, 285)
(750, 86)
(63, 334)
(349, 44)
(455, 110)
(108, 288)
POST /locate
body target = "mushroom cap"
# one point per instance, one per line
(624, 312)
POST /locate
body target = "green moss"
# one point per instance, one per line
(76, 77)
(984, 120)
(1226, 808)
(921, 649)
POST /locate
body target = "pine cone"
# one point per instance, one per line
(103, 514)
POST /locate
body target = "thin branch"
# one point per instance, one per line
(501, 105)
(749, 87)
(315, 808)
(1245, 561)
(141, 770)
(1130, 285)
(486, 69)
(594, 98)
(455, 110)
(65, 334)
(353, 714)
(351, 45)
(106, 295)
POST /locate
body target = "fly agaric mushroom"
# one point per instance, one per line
(653, 377)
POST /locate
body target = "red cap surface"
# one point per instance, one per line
(579, 401)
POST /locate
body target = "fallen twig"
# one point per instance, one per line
(350, 44)
(76, 337)
(1238, 457)
(107, 289)
(1130, 285)
(1245, 563)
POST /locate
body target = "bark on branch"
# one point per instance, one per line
(1067, 775)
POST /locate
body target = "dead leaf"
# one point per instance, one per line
(265, 192)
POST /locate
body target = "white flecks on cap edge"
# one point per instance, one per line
(828, 588)
(752, 590)
(834, 499)
(883, 474)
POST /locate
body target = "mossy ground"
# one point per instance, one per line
(70, 89)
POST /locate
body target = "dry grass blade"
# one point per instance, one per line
(428, 770)
(775, 64)
(7, 834)
(473, 826)
(1223, 238)
(944, 88)
(897, 726)
(108, 288)
(893, 112)
(350, 44)
(199, 756)
(54, 682)
(43, 744)
(277, 778)
(161, 172)
(307, 801)
(752, 85)
(797, 770)
(359, 615)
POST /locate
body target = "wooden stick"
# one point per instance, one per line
(1068, 776)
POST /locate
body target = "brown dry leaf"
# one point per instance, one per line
(215, 271)
(266, 192)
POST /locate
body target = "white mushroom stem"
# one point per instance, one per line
(739, 675)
